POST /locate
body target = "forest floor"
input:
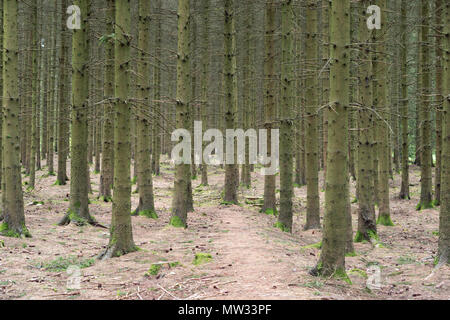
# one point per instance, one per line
(250, 259)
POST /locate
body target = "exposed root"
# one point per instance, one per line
(114, 251)
(79, 221)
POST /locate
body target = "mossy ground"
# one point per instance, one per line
(282, 227)
(154, 270)
(62, 263)
(317, 245)
(271, 212)
(201, 258)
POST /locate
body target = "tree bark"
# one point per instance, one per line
(311, 119)
(335, 227)
(182, 198)
(121, 232)
(426, 199)
(286, 121)
(13, 209)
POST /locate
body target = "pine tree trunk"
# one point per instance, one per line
(107, 165)
(63, 130)
(426, 200)
(182, 198)
(380, 103)
(325, 79)
(247, 89)
(231, 179)
(53, 86)
(121, 233)
(205, 7)
(444, 218)
(439, 99)
(404, 190)
(299, 178)
(286, 121)
(269, 205)
(144, 170)
(367, 227)
(13, 208)
(78, 212)
(34, 99)
(311, 119)
(157, 93)
(332, 257)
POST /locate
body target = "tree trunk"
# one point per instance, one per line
(380, 102)
(205, 7)
(270, 79)
(78, 212)
(311, 119)
(63, 130)
(335, 227)
(439, 100)
(157, 93)
(121, 233)
(404, 190)
(230, 91)
(107, 165)
(13, 209)
(367, 227)
(325, 79)
(444, 218)
(426, 199)
(286, 121)
(34, 99)
(182, 198)
(146, 205)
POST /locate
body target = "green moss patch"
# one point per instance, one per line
(148, 214)
(317, 245)
(7, 232)
(385, 220)
(202, 258)
(423, 206)
(154, 270)
(271, 212)
(282, 227)
(176, 222)
(62, 263)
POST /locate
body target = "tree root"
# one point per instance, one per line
(79, 221)
(114, 251)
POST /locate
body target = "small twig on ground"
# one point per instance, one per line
(176, 298)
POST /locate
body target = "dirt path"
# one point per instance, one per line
(254, 260)
(250, 259)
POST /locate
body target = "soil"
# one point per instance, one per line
(249, 258)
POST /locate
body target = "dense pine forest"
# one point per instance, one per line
(225, 149)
